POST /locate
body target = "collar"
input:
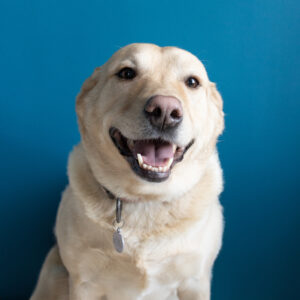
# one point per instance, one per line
(110, 195)
(118, 240)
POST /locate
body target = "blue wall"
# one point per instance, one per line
(250, 48)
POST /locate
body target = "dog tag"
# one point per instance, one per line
(118, 240)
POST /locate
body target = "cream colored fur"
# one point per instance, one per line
(173, 229)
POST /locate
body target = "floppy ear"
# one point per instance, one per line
(87, 86)
(216, 98)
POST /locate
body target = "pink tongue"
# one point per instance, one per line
(154, 153)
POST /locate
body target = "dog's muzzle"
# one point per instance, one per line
(153, 158)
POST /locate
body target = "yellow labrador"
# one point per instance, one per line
(140, 218)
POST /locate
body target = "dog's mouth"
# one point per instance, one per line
(151, 159)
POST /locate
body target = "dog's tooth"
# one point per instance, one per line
(170, 162)
(153, 169)
(140, 159)
(165, 169)
(174, 148)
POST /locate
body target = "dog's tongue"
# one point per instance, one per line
(155, 153)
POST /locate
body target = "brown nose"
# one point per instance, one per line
(164, 112)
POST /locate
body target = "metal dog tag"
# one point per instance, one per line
(118, 240)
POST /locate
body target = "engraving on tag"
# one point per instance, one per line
(118, 241)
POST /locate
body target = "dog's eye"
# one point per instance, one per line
(192, 82)
(126, 73)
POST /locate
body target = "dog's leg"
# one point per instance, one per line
(195, 289)
(83, 290)
(53, 279)
(78, 289)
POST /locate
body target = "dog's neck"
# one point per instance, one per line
(110, 195)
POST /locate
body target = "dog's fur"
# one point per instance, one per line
(173, 229)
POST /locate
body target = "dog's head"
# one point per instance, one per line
(149, 119)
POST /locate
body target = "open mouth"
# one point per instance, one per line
(151, 159)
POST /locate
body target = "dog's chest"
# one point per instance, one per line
(147, 271)
(162, 275)
(141, 277)
(170, 270)
(165, 259)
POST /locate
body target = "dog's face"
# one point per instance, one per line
(149, 118)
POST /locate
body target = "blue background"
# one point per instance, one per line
(250, 48)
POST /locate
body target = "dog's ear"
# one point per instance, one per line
(217, 100)
(87, 86)
(215, 95)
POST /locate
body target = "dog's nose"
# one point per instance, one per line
(164, 112)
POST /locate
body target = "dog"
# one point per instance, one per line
(141, 217)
